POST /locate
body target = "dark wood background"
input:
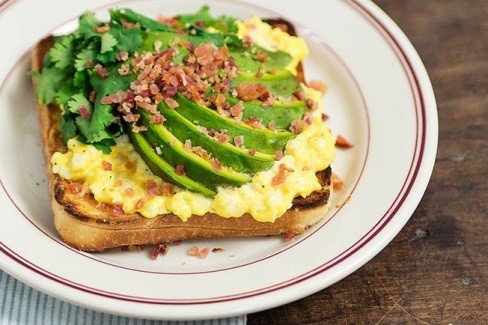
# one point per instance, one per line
(435, 270)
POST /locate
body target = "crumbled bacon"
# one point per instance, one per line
(124, 69)
(140, 203)
(251, 90)
(152, 188)
(252, 152)
(308, 118)
(337, 183)
(204, 53)
(84, 112)
(311, 103)
(261, 56)
(180, 170)
(236, 110)
(194, 251)
(92, 96)
(216, 164)
(101, 71)
(157, 118)
(102, 29)
(318, 85)
(299, 94)
(158, 250)
(130, 191)
(89, 64)
(280, 176)
(106, 165)
(171, 103)
(167, 189)
(128, 25)
(254, 122)
(222, 137)
(118, 182)
(116, 98)
(296, 126)
(325, 117)
(128, 165)
(118, 209)
(272, 126)
(342, 142)
(239, 140)
(122, 56)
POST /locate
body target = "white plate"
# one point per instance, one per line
(380, 98)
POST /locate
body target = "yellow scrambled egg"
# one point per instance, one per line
(311, 151)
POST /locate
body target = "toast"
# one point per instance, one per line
(82, 225)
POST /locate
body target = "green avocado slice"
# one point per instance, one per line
(161, 168)
(196, 167)
(282, 115)
(262, 140)
(229, 155)
(282, 83)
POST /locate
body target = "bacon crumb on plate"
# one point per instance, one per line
(318, 85)
(200, 253)
(337, 183)
(289, 236)
(342, 142)
(217, 250)
(158, 250)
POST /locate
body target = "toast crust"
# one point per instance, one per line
(83, 225)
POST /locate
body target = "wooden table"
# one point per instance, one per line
(436, 270)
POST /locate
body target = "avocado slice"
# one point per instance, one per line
(229, 155)
(262, 140)
(196, 167)
(161, 168)
(282, 83)
(282, 114)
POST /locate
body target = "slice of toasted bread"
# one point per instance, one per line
(83, 225)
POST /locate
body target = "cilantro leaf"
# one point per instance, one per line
(86, 55)
(108, 43)
(223, 24)
(127, 39)
(77, 101)
(88, 23)
(133, 17)
(62, 52)
(67, 127)
(64, 94)
(49, 81)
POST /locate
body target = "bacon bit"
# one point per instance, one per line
(308, 118)
(236, 109)
(73, 188)
(180, 170)
(124, 69)
(171, 103)
(222, 137)
(239, 140)
(103, 206)
(116, 98)
(279, 155)
(89, 64)
(92, 96)
(325, 117)
(140, 203)
(203, 253)
(158, 250)
(118, 209)
(289, 236)
(311, 103)
(128, 25)
(272, 126)
(102, 29)
(252, 152)
(218, 250)
(106, 165)
(251, 90)
(216, 164)
(122, 56)
(137, 129)
(337, 183)
(204, 53)
(152, 188)
(254, 122)
(187, 145)
(318, 85)
(299, 94)
(260, 73)
(246, 41)
(261, 56)
(128, 165)
(199, 23)
(118, 182)
(157, 119)
(101, 71)
(296, 126)
(280, 176)
(341, 142)
(130, 191)
(84, 112)
(194, 251)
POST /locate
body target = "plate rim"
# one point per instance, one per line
(423, 85)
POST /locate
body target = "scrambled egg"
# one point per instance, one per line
(311, 151)
(273, 39)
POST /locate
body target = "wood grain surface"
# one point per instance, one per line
(435, 270)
